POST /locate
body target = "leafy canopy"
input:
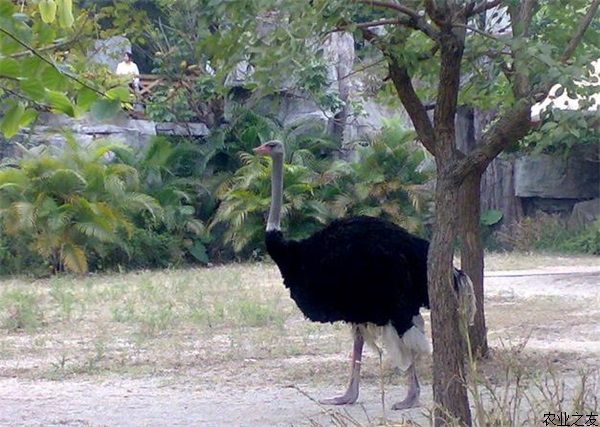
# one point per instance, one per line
(44, 66)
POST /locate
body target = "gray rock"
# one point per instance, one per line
(546, 176)
(183, 129)
(584, 213)
(110, 51)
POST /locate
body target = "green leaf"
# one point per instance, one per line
(48, 10)
(74, 258)
(45, 33)
(9, 68)
(53, 79)
(491, 217)
(85, 98)
(11, 123)
(33, 88)
(60, 102)
(199, 252)
(104, 109)
(120, 93)
(65, 13)
(6, 8)
(28, 117)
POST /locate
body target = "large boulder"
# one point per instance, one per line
(558, 177)
(110, 51)
(584, 213)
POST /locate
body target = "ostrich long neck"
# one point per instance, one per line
(274, 221)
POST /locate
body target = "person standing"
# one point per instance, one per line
(128, 67)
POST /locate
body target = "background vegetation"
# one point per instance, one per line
(103, 206)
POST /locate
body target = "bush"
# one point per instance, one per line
(145, 249)
(70, 201)
(16, 257)
(549, 233)
(318, 188)
(587, 240)
(74, 209)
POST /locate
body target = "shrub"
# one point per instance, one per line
(587, 240)
(70, 201)
(317, 188)
(76, 208)
(549, 233)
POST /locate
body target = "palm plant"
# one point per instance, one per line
(385, 181)
(70, 201)
(244, 180)
(245, 199)
(168, 172)
(317, 188)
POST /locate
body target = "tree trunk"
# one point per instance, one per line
(471, 254)
(449, 388)
(471, 257)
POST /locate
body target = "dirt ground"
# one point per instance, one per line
(551, 315)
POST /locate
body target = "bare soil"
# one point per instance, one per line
(546, 317)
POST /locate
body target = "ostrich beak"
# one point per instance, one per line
(263, 150)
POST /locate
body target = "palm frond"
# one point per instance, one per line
(74, 258)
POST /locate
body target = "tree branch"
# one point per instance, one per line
(434, 13)
(515, 123)
(580, 31)
(415, 21)
(47, 61)
(412, 103)
(478, 31)
(407, 94)
(392, 5)
(43, 49)
(370, 24)
(363, 68)
(483, 6)
(40, 105)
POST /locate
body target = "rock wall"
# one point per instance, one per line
(50, 129)
(558, 177)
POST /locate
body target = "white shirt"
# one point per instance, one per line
(125, 68)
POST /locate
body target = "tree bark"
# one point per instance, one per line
(471, 257)
(471, 253)
(449, 388)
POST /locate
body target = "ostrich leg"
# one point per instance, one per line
(414, 390)
(351, 394)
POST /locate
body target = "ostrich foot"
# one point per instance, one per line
(348, 398)
(351, 394)
(409, 402)
(414, 391)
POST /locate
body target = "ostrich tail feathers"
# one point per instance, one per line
(466, 295)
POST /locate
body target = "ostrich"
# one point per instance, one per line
(362, 270)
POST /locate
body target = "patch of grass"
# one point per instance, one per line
(156, 319)
(65, 367)
(64, 298)
(20, 310)
(172, 321)
(519, 390)
(518, 260)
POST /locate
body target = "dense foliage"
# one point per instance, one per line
(101, 206)
(384, 181)
(44, 65)
(73, 206)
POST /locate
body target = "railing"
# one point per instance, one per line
(148, 82)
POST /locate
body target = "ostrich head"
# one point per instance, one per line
(275, 150)
(272, 148)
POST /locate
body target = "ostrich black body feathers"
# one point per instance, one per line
(358, 270)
